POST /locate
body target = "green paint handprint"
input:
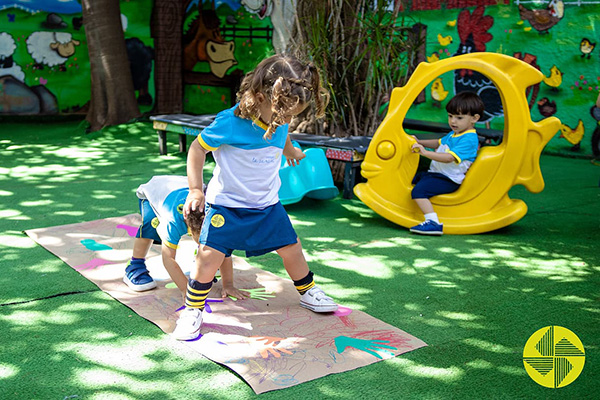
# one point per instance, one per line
(343, 342)
(258, 294)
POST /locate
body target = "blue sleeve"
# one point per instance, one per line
(464, 147)
(218, 132)
(175, 230)
(444, 139)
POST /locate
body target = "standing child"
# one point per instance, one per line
(243, 211)
(453, 155)
(161, 203)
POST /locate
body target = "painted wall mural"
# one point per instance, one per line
(558, 37)
(44, 65)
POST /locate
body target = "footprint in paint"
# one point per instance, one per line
(92, 245)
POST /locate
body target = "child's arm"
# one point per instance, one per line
(430, 143)
(228, 289)
(174, 270)
(292, 153)
(195, 169)
(432, 155)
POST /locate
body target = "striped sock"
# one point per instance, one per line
(196, 294)
(305, 284)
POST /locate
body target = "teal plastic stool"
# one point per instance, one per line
(311, 178)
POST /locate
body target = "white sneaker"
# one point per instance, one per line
(188, 324)
(316, 300)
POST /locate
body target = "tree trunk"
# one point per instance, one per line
(167, 32)
(112, 95)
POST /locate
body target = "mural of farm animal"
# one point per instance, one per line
(543, 20)
(7, 64)
(51, 48)
(282, 14)
(473, 32)
(203, 42)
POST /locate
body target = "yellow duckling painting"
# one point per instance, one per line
(481, 204)
(573, 136)
(554, 80)
(444, 40)
(433, 57)
(438, 93)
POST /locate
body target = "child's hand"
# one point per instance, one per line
(194, 201)
(295, 158)
(417, 148)
(231, 291)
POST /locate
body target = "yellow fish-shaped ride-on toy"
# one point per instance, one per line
(481, 204)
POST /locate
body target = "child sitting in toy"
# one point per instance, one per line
(161, 203)
(453, 155)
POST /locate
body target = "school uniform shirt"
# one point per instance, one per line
(247, 170)
(166, 195)
(464, 149)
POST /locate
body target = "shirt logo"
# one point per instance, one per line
(154, 222)
(217, 220)
(266, 160)
(553, 357)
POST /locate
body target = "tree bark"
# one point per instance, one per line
(112, 99)
(167, 32)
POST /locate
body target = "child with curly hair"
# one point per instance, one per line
(243, 211)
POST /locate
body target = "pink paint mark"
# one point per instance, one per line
(95, 263)
(43, 81)
(342, 311)
(131, 230)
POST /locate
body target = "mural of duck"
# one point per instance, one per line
(433, 57)
(586, 47)
(573, 135)
(444, 40)
(554, 80)
(481, 203)
(438, 93)
(543, 19)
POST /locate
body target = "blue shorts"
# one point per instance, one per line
(255, 231)
(429, 184)
(149, 222)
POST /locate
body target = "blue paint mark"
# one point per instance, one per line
(368, 346)
(92, 245)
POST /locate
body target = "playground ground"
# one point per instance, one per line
(475, 300)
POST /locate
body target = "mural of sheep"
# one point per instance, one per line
(51, 48)
(7, 64)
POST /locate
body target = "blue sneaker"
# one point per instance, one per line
(137, 276)
(428, 227)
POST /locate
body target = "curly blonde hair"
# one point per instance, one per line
(287, 82)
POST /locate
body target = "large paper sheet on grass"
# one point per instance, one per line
(270, 341)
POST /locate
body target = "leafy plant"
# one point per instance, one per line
(364, 49)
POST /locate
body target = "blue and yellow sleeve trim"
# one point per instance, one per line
(205, 145)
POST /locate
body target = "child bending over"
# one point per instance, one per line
(453, 155)
(161, 203)
(243, 211)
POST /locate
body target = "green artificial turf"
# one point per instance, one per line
(474, 299)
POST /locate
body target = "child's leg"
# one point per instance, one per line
(427, 209)
(136, 274)
(208, 261)
(141, 247)
(293, 260)
(311, 296)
